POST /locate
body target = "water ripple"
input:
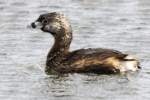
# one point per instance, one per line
(117, 24)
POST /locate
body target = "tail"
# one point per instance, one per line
(129, 63)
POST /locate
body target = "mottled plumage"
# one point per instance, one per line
(61, 60)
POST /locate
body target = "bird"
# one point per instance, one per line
(91, 60)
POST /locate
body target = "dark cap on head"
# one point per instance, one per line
(53, 23)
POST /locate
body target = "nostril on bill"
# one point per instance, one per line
(139, 67)
(33, 25)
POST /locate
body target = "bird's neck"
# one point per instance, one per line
(61, 46)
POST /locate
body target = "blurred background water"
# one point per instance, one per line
(119, 24)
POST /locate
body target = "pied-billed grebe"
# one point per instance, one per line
(61, 60)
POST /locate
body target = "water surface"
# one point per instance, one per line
(119, 24)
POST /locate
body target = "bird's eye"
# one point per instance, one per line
(44, 21)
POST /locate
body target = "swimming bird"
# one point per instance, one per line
(93, 60)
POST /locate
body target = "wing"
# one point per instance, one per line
(94, 60)
(99, 53)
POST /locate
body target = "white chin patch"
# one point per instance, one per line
(47, 27)
(38, 25)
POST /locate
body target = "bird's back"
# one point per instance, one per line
(94, 60)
